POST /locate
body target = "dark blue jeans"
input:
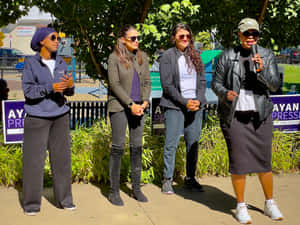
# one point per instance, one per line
(176, 122)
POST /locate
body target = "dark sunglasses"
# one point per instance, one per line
(53, 37)
(134, 38)
(182, 36)
(254, 33)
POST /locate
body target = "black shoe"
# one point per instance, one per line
(32, 212)
(70, 207)
(139, 196)
(192, 183)
(115, 199)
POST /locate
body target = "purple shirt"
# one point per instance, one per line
(135, 88)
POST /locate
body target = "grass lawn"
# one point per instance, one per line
(291, 77)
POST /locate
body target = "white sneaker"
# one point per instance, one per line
(271, 210)
(242, 214)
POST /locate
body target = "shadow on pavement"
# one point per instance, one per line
(47, 194)
(213, 198)
(104, 189)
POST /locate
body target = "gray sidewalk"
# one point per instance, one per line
(213, 207)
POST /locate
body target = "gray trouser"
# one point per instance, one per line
(119, 121)
(40, 134)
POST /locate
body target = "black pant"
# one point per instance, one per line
(119, 121)
(40, 134)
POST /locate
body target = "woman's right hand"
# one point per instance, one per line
(231, 95)
(137, 109)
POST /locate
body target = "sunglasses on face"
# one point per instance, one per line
(53, 37)
(182, 36)
(134, 38)
(254, 33)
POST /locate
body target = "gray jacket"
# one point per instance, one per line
(228, 76)
(120, 81)
(170, 82)
(37, 81)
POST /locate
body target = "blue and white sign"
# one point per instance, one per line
(13, 121)
(286, 112)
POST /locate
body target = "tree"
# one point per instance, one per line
(94, 25)
(2, 36)
(11, 10)
(280, 23)
(159, 23)
(204, 38)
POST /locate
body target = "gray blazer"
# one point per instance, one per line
(170, 82)
(120, 81)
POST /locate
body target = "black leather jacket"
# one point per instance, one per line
(227, 77)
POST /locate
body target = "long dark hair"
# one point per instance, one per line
(192, 57)
(121, 50)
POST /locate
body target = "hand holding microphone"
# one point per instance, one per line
(256, 58)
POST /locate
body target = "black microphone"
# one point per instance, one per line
(254, 52)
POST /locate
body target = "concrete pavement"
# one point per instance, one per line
(216, 206)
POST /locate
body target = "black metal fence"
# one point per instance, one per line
(86, 112)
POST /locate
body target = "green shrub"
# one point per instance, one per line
(10, 163)
(285, 151)
(91, 148)
(213, 156)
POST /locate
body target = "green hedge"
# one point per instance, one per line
(90, 155)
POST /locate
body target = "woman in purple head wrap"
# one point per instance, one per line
(45, 83)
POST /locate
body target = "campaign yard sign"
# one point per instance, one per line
(157, 116)
(13, 121)
(286, 112)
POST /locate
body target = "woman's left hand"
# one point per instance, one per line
(137, 110)
(68, 80)
(259, 61)
(193, 105)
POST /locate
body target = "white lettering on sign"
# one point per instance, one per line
(20, 112)
(157, 110)
(12, 113)
(286, 107)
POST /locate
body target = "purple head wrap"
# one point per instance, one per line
(38, 36)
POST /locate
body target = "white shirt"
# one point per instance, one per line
(245, 101)
(50, 63)
(188, 79)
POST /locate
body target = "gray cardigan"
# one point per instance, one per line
(37, 81)
(170, 82)
(120, 81)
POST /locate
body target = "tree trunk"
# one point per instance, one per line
(101, 71)
(263, 11)
(147, 5)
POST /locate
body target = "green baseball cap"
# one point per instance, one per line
(248, 24)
